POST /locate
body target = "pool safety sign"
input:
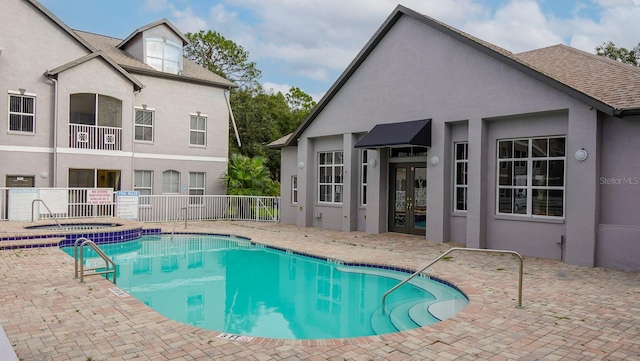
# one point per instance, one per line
(99, 196)
(127, 204)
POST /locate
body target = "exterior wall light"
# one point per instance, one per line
(435, 160)
(373, 163)
(301, 165)
(581, 155)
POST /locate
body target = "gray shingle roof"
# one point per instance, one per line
(192, 71)
(612, 82)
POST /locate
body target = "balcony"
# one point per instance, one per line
(95, 137)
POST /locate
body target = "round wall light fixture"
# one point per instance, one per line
(372, 163)
(435, 160)
(301, 165)
(581, 155)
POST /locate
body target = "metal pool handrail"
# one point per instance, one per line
(175, 222)
(518, 256)
(108, 261)
(33, 202)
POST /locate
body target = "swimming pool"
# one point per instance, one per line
(231, 285)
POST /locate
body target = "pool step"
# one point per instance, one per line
(396, 318)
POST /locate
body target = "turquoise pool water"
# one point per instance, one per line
(228, 284)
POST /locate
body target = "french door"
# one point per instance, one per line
(408, 198)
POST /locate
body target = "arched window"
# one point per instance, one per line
(170, 182)
(164, 55)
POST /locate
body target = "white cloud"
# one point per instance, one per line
(275, 88)
(517, 27)
(314, 40)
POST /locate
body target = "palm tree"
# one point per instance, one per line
(249, 177)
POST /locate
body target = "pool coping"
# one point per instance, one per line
(476, 301)
(66, 238)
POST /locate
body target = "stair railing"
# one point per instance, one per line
(518, 256)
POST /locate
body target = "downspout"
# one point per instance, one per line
(233, 120)
(55, 132)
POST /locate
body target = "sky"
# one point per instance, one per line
(309, 43)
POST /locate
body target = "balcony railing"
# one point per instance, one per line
(95, 137)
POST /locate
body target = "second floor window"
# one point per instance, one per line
(198, 130)
(144, 125)
(22, 113)
(95, 109)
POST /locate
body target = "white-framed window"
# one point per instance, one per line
(531, 176)
(164, 55)
(330, 176)
(22, 112)
(294, 189)
(196, 187)
(144, 124)
(143, 183)
(363, 177)
(461, 169)
(198, 130)
(170, 182)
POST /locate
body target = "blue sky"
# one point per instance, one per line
(309, 43)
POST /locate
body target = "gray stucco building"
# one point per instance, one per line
(433, 131)
(85, 110)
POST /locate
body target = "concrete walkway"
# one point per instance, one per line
(570, 312)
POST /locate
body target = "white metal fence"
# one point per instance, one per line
(81, 203)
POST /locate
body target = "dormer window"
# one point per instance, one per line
(164, 55)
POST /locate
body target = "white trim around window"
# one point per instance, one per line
(170, 182)
(294, 189)
(196, 187)
(330, 177)
(197, 130)
(364, 156)
(531, 176)
(460, 176)
(143, 183)
(21, 112)
(144, 119)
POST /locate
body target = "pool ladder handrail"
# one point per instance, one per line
(175, 221)
(33, 202)
(518, 256)
(80, 270)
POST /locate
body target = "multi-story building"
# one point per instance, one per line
(86, 110)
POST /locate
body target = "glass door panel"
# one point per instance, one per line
(419, 198)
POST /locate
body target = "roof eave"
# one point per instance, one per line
(159, 74)
(353, 66)
(137, 85)
(61, 24)
(141, 29)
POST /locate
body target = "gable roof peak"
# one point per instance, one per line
(162, 21)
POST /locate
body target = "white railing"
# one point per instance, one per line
(167, 208)
(93, 203)
(95, 137)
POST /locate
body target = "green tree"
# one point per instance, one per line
(299, 101)
(609, 50)
(249, 177)
(223, 57)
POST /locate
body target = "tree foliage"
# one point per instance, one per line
(249, 177)
(223, 57)
(261, 117)
(630, 56)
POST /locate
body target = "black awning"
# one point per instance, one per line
(414, 133)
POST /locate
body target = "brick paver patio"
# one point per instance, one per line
(570, 312)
